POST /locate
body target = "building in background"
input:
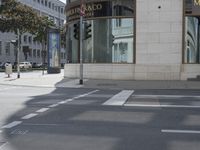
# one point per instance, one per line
(136, 39)
(31, 50)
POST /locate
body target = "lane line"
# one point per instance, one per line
(69, 100)
(181, 131)
(12, 124)
(120, 98)
(161, 106)
(53, 105)
(37, 124)
(62, 102)
(86, 94)
(1, 131)
(3, 145)
(29, 116)
(42, 110)
(167, 96)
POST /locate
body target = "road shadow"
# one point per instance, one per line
(85, 124)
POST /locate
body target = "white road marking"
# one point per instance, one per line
(163, 106)
(3, 145)
(1, 131)
(69, 100)
(42, 110)
(120, 98)
(62, 102)
(37, 124)
(166, 96)
(12, 124)
(181, 131)
(53, 105)
(29, 116)
(86, 94)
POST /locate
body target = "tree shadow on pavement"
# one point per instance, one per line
(85, 124)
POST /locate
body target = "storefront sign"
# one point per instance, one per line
(192, 7)
(100, 9)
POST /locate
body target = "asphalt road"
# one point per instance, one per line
(90, 119)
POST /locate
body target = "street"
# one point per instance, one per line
(44, 118)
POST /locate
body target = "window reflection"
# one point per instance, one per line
(111, 42)
(192, 40)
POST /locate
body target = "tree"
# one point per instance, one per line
(14, 17)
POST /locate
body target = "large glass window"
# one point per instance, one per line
(192, 40)
(109, 42)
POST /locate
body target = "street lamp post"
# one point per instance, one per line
(18, 51)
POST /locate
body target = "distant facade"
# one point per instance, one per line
(136, 39)
(54, 9)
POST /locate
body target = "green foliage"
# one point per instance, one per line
(42, 29)
(14, 15)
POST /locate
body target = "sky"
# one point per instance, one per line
(64, 1)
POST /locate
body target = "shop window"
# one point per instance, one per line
(192, 40)
(118, 22)
(107, 43)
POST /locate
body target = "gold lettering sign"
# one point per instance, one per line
(196, 2)
(88, 8)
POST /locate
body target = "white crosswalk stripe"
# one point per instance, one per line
(120, 98)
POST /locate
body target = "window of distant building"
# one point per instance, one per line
(52, 6)
(30, 39)
(7, 48)
(38, 53)
(45, 2)
(34, 53)
(25, 39)
(49, 4)
(42, 2)
(38, 1)
(62, 10)
(30, 53)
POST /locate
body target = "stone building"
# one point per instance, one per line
(136, 39)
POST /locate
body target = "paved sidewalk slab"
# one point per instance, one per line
(35, 78)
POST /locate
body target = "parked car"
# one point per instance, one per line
(37, 65)
(25, 65)
(3, 65)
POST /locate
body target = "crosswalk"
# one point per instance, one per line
(128, 98)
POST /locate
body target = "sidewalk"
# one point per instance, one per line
(36, 79)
